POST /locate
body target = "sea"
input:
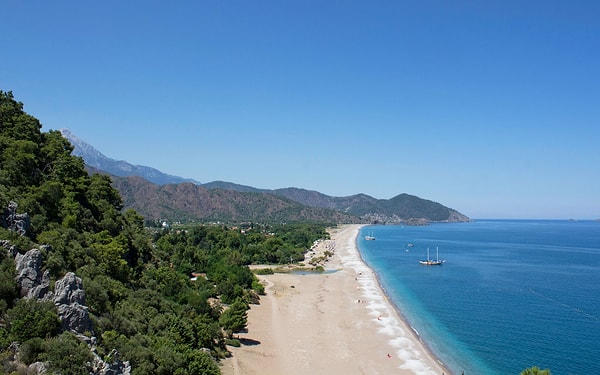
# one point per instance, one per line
(511, 294)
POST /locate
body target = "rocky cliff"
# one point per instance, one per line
(69, 298)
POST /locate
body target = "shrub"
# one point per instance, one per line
(264, 271)
(30, 350)
(258, 287)
(67, 355)
(233, 342)
(29, 319)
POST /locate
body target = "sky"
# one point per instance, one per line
(488, 107)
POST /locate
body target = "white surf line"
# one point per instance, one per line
(413, 358)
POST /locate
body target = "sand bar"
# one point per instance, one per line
(333, 323)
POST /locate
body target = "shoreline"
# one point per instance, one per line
(402, 323)
(412, 330)
(338, 322)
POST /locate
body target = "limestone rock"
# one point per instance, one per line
(29, 271)
(70, 301)
(115, 367)
(39, 368)
(41, 291)
(69, 290)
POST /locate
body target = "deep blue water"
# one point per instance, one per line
(511, 295)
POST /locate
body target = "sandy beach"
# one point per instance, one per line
(337, 322)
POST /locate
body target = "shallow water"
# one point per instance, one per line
(311, 272)
(512, 294)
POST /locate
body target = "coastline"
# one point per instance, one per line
(337, 322)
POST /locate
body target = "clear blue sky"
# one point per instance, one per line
(489, 107)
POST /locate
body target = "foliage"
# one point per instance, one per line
(258, 287)
(137, 282)
(30, 350)
(235, 318)
(66, 355)
(8, 286)
(264, 271)
(233, 342)
(189, 203)
(30, 319)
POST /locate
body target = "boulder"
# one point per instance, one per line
(29, 270)
(69, 299)
(69, 290)
(41, 291)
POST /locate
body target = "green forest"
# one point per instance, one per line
(166, 301)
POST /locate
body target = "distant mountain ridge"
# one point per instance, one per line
(399, 208)
(158, 195)
(96, 159)
(187, 202)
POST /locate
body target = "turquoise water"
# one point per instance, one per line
(511, 295)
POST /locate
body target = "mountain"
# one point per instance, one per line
(224, 185)
(399, 208)
(188, 202)
(96, 159)
(175, 198)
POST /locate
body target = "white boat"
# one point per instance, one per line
(431, 262)
(369, 237)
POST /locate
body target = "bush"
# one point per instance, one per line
(67, 355)
(264, 271)
(29, 319)
(30, 350)
(233, 342)
(258, 287)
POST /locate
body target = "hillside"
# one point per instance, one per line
(88, 290)
(189, 202)
(163, 198)
(397, 209)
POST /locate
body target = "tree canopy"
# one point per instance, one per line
(138, 282)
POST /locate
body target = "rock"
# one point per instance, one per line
(115, 367)
(41, 291)
(69, 290)
(69, 298)
(29, 271)
(38, 368)
(70, 301)
(8, 246)
(75, 318)
(13, 221)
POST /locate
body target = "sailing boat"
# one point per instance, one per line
(431, 262)
(369, 237)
